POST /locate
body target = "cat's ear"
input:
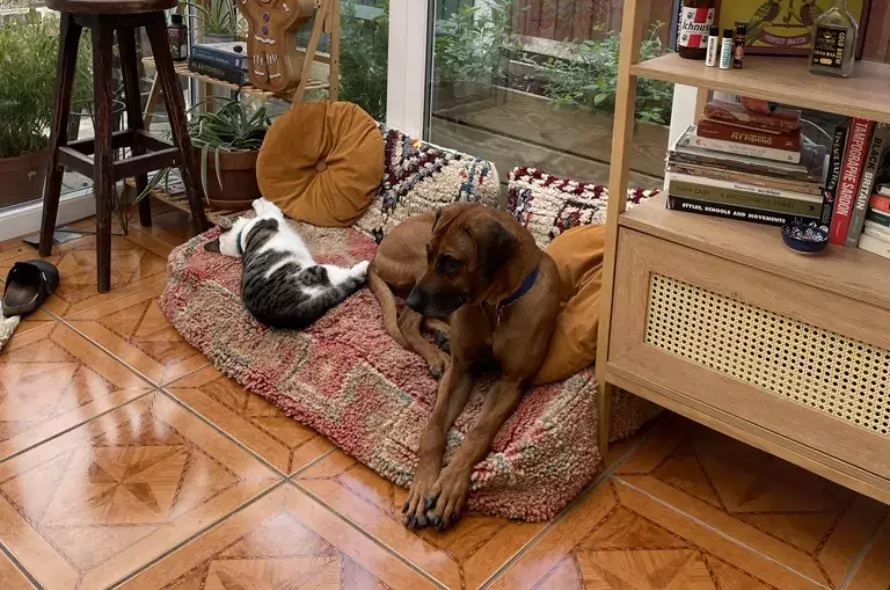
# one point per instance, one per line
(225, 223)
(212, 246)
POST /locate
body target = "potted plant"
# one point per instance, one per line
(218, 21)
(29, 48)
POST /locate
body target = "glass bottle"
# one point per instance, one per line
(834, 41)
(696, 19)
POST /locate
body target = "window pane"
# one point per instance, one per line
(532, 83)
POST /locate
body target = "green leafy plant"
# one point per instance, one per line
(475, 43)
(591, 79)
(234, 127)
(219, 18)
(29, 47)
(363, 59)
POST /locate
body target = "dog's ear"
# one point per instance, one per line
(495, 244)
(212, 246)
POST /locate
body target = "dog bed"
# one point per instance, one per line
(345, 377)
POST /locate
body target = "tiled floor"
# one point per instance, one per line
(125, 459)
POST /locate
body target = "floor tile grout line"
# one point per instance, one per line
(722, 534)
(151, 391)
(368, 535)
(225, 434)
(863, 553)
(152, 562)
(311, 463)
(565, 511)
(20, 566)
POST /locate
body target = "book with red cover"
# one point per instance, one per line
(851, 176)
(733, 112)
(879, 203)
(784, 140)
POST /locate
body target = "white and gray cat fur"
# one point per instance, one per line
(281, 284)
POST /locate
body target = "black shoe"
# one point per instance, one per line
(28, 285)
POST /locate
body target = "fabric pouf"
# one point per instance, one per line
(345, 377)
(420, 177)
(322, 162)
(548, 205)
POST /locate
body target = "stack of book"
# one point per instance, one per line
(856, 203)
(746, 165)
(223, 61)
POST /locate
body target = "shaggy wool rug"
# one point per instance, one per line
(346, 378)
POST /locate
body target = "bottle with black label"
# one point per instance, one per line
(834, 41)
(178, 36)
(696, 19)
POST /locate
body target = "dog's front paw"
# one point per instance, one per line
(419, 500)
(446, 499)
(360, 270)
(439, 365)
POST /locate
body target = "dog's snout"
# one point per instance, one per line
(416, 300)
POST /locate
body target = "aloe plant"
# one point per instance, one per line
(219, 17)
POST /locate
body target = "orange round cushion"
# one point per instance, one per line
(322, 163)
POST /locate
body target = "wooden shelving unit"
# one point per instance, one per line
(719, 321)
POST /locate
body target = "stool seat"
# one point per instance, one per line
(110, 6)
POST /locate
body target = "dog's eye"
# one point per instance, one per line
(449, 265)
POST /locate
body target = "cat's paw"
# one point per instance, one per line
(360, 270)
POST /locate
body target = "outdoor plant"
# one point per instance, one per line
(475, 43)
(29, 47)
(591, 78)
(363, 59)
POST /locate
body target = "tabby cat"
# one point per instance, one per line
(282, 285)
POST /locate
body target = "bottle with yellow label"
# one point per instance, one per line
(834, 40)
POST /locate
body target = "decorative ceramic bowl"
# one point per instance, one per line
(809, 237)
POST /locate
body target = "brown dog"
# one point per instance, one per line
(481, 269)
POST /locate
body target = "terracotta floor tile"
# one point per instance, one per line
(266, 430)
(465, 556)
(10, 576)
(92, 506)
(134, 329)
(172, 226)
(874, 572)
(618, 537)
(137, 262)
(284, 540)
(52, 379)
(796, 518)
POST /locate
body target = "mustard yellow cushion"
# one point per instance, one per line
(578, 254)
(322, 163)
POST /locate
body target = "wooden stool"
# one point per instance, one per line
(94, 158)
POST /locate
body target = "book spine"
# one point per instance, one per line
(880, 203)
(879, 141)
(214, 71)
(835, 165)
(747, 135)
(743, 149)
(875, 246)
(878, 217)
(780, 119)
(874, 228)
(810, 189)
(849, 182)
(726, 211)
(803, 207)
(884, 189)
(223, 59)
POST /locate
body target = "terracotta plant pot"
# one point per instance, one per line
(239, 184)
(22, 178)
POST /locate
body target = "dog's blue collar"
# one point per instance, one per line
(524, 288)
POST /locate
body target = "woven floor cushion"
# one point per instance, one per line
(349, 380)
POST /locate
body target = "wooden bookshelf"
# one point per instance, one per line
(787, 80)
(719, 321)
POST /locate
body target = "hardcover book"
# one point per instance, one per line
(784, 140)
(874, 165)
(733, 112)
(854, 160)
(835, 166)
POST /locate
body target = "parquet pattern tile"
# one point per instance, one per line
(127, 461)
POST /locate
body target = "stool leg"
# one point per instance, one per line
(126, 42)
(69, 38)
(157, 34)
(103, 43)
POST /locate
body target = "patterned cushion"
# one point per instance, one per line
(549, 205)
(420, 177)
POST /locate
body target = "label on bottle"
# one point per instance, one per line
(829, 44)
(695, 24)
